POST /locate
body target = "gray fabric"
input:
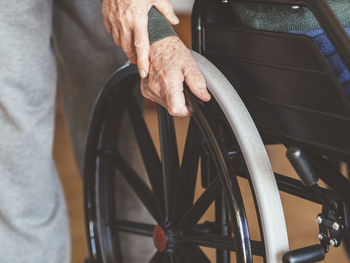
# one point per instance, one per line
(33, 217)
(283, 18)
(86, 57)
(158, 26)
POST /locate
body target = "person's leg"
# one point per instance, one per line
(33, 217)
(87, 57)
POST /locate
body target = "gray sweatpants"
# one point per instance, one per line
(44, 43)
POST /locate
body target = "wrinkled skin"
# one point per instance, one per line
(171, 65)
(127, 22)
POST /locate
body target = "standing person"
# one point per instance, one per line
(50, 42)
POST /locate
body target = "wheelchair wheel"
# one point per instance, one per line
(150, 212)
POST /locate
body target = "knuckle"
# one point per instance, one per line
(199, 80)
(188, 71)
(115, 18)
(166, 94)
(129, 50)
(151, 88)
(116, 39)
(146, 94)
(127, 17)
(132, 59)
(170, 75)
(141, 44)
(127, 47)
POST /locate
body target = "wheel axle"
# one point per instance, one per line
(159, 238)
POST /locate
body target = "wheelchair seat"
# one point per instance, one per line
(285, 81)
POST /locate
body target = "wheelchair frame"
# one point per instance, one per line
(179, 234)
(102, 223)
(209, 16)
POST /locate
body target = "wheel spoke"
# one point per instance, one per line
(220, 242)
(201, 255)
(222, 218)
(182, 256)
(170, 157)
(174, 258)
(136, 183)
(210, 240)
(133, 227)
(147, 148)
(187, 177)
(159, 257)
(192, 254)
(195, 213)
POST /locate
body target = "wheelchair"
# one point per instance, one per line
(267, 88)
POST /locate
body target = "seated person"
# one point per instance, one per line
(298, 20)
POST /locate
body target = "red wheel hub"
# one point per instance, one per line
(159, 238)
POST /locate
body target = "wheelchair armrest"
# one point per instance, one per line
(327, 20)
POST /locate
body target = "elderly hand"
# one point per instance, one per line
(171, 65)
(127, 22)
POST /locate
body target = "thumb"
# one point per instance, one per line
(167, 10)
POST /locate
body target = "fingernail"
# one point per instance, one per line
(143, 74)
(176, 20)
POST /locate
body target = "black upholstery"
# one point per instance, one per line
(288, 87)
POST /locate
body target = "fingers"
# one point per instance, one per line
(196, 82)
(167, 92)
(176, 103)
(172, 93)
(145, 91)
(167, 10)
(116, 36)
(142, 46)
(127, 44)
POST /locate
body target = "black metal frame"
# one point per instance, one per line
(339, 186)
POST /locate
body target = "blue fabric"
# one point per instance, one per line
(331, 55)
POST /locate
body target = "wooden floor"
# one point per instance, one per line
(72, 185)
(300, 214)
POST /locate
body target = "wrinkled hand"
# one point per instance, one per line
(127, 22)
(171, 65)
